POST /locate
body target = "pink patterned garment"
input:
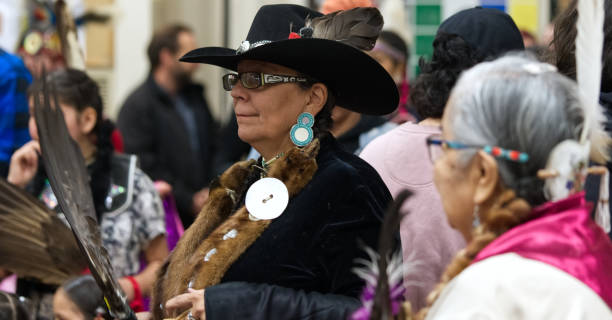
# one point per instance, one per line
(562, 234)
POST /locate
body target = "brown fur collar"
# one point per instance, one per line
(217, 238)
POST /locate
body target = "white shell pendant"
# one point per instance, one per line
(267, 198)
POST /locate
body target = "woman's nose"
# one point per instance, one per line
(239, 92)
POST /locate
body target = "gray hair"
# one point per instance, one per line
(519, 104)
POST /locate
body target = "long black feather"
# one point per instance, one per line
(358, 27)
(68, 177)
(381, 309)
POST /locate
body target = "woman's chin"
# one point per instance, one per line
(247, 136)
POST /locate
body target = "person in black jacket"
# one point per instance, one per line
(167, 124)
(287, 252)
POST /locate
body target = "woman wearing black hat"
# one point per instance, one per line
(279, 236)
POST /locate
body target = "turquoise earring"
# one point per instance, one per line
(301, 133)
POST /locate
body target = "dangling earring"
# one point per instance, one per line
(476, 217)
(301, 133)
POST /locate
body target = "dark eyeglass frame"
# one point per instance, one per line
(512, 155)
(231, 79)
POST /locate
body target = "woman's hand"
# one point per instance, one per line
(163, 188)
(24, 164)
(193, 300)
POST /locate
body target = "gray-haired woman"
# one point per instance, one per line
(505, 122)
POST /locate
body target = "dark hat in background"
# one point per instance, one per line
(359, 83)
(490, 31)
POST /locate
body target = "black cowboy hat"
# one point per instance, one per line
(358, 82)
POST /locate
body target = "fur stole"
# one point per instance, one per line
(217, 237)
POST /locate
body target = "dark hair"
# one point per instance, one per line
(166, 38)
(323, 119)
(76, 89)
(451, 56)
(563, 45)
(12, 308)
(86, 294)
(394, 40)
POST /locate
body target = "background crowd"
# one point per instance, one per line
(163, 158)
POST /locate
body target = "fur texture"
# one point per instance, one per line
(204, 254)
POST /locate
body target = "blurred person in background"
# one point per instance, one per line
(392, 52)
(401, 158)
(14, 82)
(166, 122)
(330, 6)
(79, 298)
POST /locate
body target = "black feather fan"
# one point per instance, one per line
(68, 177)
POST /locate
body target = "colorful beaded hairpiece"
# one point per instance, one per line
(511, 155)
(497, 152)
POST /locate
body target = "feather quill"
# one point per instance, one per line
(71, 50)
(383, 272)
(34, 241)
(589, 47)
(358, 27)
(68, 177)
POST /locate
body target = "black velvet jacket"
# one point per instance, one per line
(300, 267)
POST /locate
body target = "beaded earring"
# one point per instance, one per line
(301, 133)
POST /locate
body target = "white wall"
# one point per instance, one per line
(133, 29)
(11, 13)
(450, 7)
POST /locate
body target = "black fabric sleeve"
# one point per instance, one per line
(241, 300)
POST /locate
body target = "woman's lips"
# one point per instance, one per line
(245, 114)
(244, 117)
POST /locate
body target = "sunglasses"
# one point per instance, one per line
(253, 80)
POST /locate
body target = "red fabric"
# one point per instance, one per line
(137, 303)
(117, 140)
(294, 35)
(563, 235)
